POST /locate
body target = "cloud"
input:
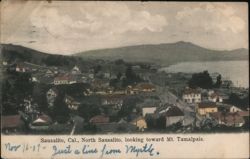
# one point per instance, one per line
(211, 17)
(96, 20)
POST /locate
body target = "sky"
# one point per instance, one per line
(64, 27)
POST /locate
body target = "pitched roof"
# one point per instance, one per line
(207, 105)
(191, 91)
(170, 110)
(243, 113)
(99, 119)
(174, 111)
(43, 119)
(145, 86)
(11, 121)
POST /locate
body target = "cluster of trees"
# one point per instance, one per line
(58, 60)
(15, 88)
(204, 80)
(242, 103)
(60, 112)
(12, 55)
(130, 78)
(74, 90)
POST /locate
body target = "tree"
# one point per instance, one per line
(218, 82)
(161, 122)
(131, 77)
(97, 69)
(60, 109)
(87, 111)
(202, 80)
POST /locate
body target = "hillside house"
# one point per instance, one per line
(205, 108)
(228, 108)
(148, 110)
(42, 122)
(61, 80)
(215, 97)
(172, 114)
(72, 103)
(75, 70)
(20, 68)
(191, 96)
(227, 84)
(233, 109)
(51, 95)
(131, 90)
(145, 87)
(116, 100)
(49, 73)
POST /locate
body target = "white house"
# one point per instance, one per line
(172, 114)
(234, 109)
(191, 96)
(71, 102)
(51, 95)
(148, 110)
(65, 79)
(75, 70)
(5, 63)
(214, 97)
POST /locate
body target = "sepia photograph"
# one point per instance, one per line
(107, 68)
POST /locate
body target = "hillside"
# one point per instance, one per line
(16, 53)
(165, 54)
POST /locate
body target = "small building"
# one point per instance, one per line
(174, 115)
(52, 92)
(42, 122)
(20, 68)
(222, 107)
(75, 70)
(34, 79)
(205, 108)
(51, 95)
(145, 87)
(11, 123)
(191, 96)
(148, 110)
(214, 97)
(59, 80)
(116, 100)
(228, 119)
(49, 73)
(227, 84)
(5, 63)
(233, 109)
(99, 119)
(140, 123)
(72, 103)
(107, 75)
(131, 90)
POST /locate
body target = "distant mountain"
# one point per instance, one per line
(165, 54)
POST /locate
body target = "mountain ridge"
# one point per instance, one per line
(166, 53)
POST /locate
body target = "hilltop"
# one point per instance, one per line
(165, 54)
